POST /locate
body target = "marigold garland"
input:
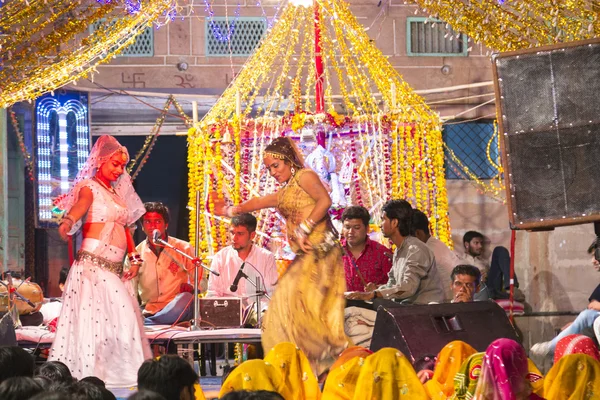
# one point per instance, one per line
(395, 154)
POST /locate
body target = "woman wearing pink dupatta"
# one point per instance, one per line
(504, 373)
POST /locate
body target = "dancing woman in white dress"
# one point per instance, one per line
(100, 330)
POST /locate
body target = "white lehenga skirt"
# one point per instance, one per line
(100, 330)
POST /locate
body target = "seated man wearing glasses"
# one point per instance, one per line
(465, 281)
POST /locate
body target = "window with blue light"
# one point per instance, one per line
(62, 146)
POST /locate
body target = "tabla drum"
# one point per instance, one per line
(29, 290)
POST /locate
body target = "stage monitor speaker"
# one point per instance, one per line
(423, 330)
(548, 102)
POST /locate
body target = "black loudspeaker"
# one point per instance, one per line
(548, 103)
(419, 331)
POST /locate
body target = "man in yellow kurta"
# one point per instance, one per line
(164, 278)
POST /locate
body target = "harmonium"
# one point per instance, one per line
(220, 312)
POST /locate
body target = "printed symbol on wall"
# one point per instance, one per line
(185, 81)
(135, 80)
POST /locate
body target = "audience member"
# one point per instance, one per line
(414, 277)
(504, 373)
(387, 374)
(146, 395)
(465, 380)
(342, 379)
(44, 382)
(465, 281)
(51, 395)
(256, 375)
(163, 280)
(576, 344)
(365, 260)
(449, 361)
(296, 371)
(574, 377)
(350, 353)
(445, 259)
(498, 278)
(252, 395)
(87, 391)
(19, 388)
(55, 371)
(170, 376)
(15, 361)
(583, 324)
(424, 367)
(473, 252)
(94, 380)
(258, 262)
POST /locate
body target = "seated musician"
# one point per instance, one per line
(165, 278)
(258, 263)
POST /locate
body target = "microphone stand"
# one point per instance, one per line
(259, 293)
(195, 326)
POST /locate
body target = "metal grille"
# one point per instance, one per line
(426, 37)
(142, 46)
(246, 34)
(551, 133)
(469, 141)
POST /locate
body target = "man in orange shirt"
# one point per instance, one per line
(164, 278)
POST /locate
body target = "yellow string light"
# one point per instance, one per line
(353, 68)
(518, 24)
(33, 68)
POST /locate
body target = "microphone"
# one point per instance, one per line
(155, 236)
(236, 281)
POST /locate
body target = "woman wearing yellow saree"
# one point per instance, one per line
(296, 370)
(307, 308)
(449, 361)
(465, 380)
(575, 376)
(254, 375)
(388, 375)
(343, 376)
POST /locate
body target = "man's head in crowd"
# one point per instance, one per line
(19, 387)
(156, 217)
(420, 226)
(253, 395)
(170, 376)
(55, 371)
(242, 231)
(15, 361)
(355, 225)
(465, 281)
(397, 218)
(473, 242)
(146, 395)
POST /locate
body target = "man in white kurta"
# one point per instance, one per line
(259, 264)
